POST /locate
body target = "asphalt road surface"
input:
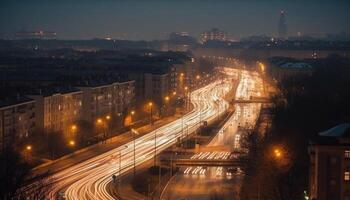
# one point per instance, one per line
(201, 183)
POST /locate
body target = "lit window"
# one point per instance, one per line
(347, 153)
(346, 176)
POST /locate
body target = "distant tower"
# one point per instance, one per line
(282, 26)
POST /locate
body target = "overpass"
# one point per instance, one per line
(251, 101)
(203, 162)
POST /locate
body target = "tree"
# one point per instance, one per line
(13, 170)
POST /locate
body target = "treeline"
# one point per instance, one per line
(278, 162)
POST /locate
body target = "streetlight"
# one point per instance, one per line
(262, 67)
(187, 97)
(73, 129)
(132, 116)
(134, 135)
(108, 118)
(155, 147)
(101, 123)
(29, 147)
(166, 100)
(174, 93)
(71, 143)
(150, 104)
(28, 150)
(277, 153)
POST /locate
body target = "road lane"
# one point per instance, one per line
(88, 179)
(201, 183)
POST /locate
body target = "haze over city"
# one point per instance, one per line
(155, 19)
(174, 100)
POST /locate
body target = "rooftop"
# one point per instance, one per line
(13, 100)
(336, 136)
(296, 65)
(341, 130)
(54, 90)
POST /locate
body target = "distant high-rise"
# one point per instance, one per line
(45, 35)
(213, 34)
(282, 26)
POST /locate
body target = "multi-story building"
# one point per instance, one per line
(124, 96)
(57, 110)
(104, 99)
(183, 75)
(157, 86)
(280, 68)
(17, 120)
(23, 35)
(282, 26)
(97, 101)
(213, 34)
(329, 174)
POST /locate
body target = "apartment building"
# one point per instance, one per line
(58, 109)
(183, 75)
(102, 99)
(157, 86)
(329, 176)
(125, 96)
(17, 120)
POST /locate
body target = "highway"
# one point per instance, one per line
(87, 180)
(200, 182)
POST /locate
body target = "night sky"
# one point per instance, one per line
(154, 19)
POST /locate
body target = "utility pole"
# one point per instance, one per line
(119, 173)
(155, 147)
(134, 156)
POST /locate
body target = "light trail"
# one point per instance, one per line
(229, 136)
(88, 180)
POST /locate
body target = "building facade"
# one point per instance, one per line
(329, 174)
(17, 121)
(107, 99)
(183, 75)
(57, 111)
(213, 34)
(157, 87)
(282, 26)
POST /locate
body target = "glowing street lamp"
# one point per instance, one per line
(132, 113)
(71, 143)
(174, 93)
(167, 98)
(73, 128)
(29, 147)
(262, 66)
(135, 133)
(277, 153)
(150, 104)
(187, 97)
(99, 121)
(108, 117)
(198, 77)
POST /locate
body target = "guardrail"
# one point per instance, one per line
(204, 162)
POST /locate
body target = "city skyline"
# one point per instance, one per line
(149, 20)
(174, 99)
